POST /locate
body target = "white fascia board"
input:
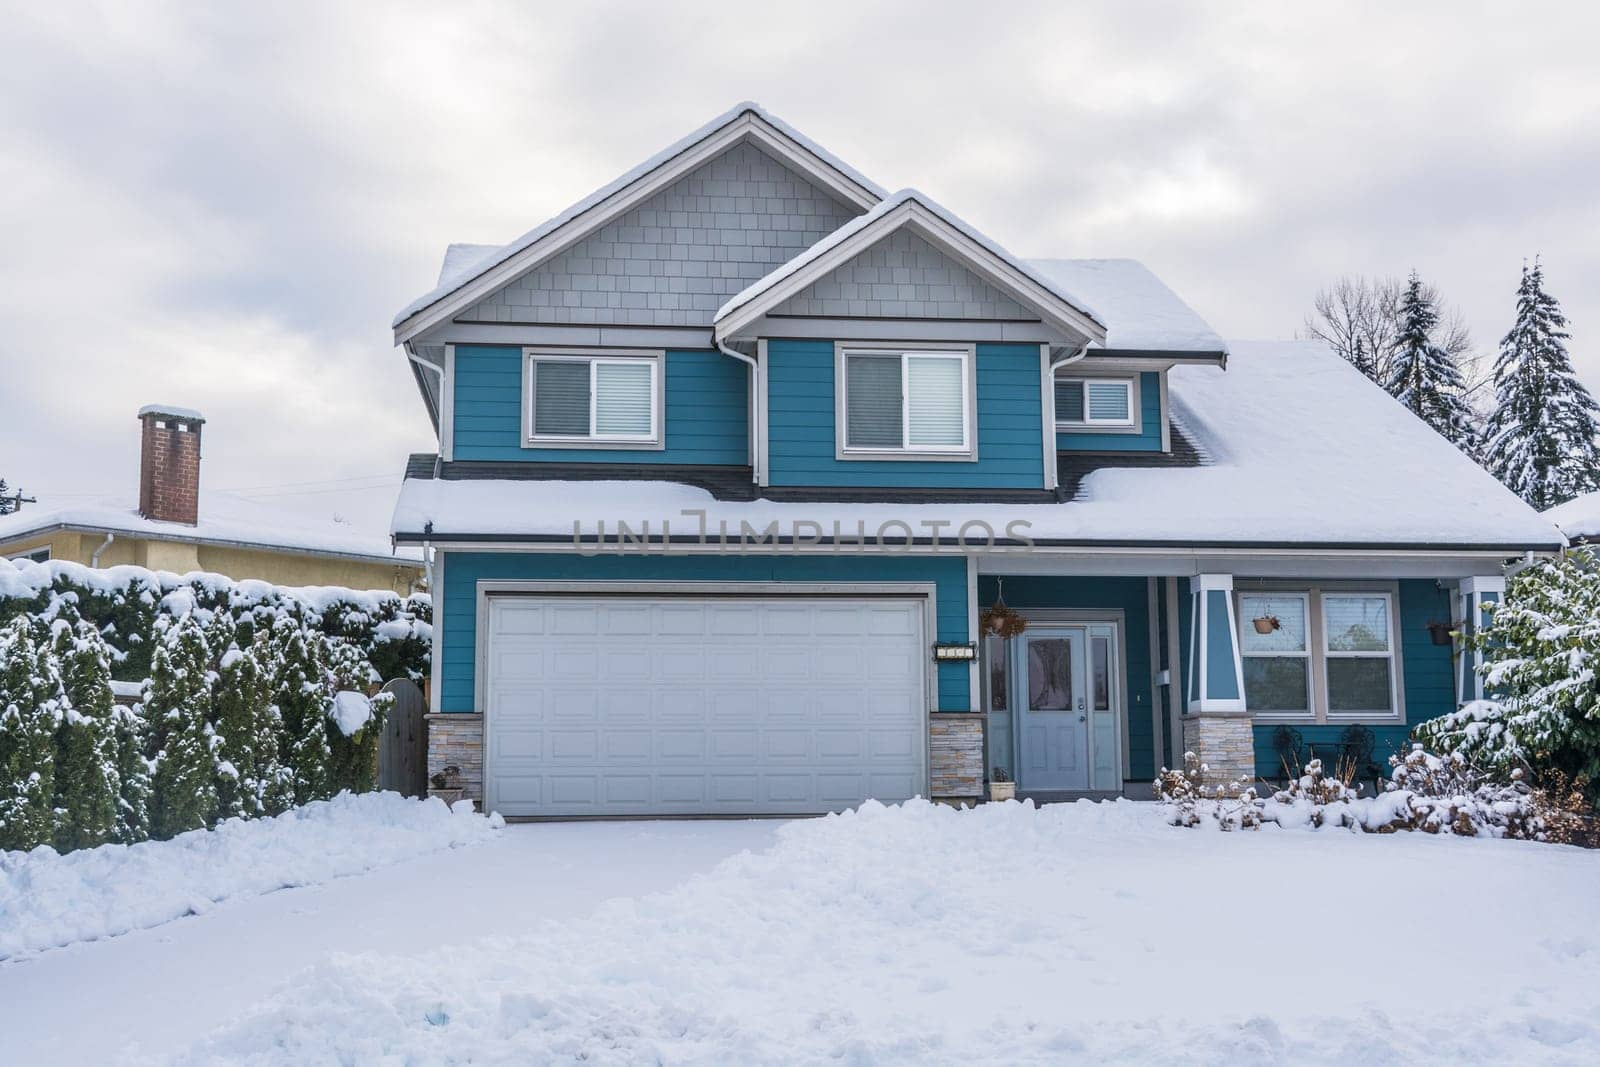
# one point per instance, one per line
(1480, 584)
(447, 405)
(747, 126)
(973, 254)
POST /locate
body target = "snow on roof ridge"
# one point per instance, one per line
(460, 257)
(1142, 312)
(884, 207)
(626, 179)
(173, 410)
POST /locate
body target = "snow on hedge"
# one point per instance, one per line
(1079, 933)
(48, 900)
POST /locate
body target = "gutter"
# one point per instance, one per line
(258, 546)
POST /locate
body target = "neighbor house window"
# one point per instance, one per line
(37, 555)
(575, 399)
(1320, 654)
(1095, 403)
(907, 402)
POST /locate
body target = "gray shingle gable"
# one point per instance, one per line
(673, 260)
(903, 276)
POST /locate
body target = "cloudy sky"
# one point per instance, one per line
(222, 205)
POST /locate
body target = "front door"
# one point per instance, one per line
(1054, 735)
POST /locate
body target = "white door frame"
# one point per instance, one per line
(926, 592)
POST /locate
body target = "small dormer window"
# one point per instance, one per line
(906, 403)
(1090, 403)
(597, 400)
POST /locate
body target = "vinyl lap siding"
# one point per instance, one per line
(801, 437)
(707, 411)
(1148, 439)
(463, 570)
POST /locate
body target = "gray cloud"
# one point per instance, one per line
(223, 206)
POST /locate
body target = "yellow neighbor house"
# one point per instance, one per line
(170, 528)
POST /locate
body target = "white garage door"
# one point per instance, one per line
(686, 706)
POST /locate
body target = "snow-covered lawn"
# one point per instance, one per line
(48, 900)
(1075, 933)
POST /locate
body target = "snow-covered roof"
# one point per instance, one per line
(459, 261)
(225, 519)
(1578, 518)
(452, 280)
(764, 288)
(1302, 449)
(1139, 311)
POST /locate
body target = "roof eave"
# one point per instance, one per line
(223, 542)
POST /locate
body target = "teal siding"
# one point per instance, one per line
(1148, 439)
(1429, 683)
(801, 439)
(1132, 597)
(463, 570)
(707, 411)
(1221, 681)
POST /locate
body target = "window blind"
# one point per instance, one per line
(934, 406)
(872, 395)
(622, 399)
(561, 398)
(1108, 401)
(1069, 401)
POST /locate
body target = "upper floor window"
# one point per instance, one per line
(1320, 655)
(597, 400)
(914, 403)
(1096, 402)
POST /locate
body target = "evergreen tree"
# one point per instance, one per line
(1423, 376)
(6, 505)
(1541, 435)
(133, 777)
(32, 705)
(299, 690)
(245, 753)
(357, 718)
(177, 706)
(87, 783)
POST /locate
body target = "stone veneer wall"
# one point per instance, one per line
(955, 754)
(1225, 744)
(457, 739)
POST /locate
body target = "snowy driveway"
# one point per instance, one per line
(163, 988)
(1073, 934)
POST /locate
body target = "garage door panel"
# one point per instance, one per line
(631, 705)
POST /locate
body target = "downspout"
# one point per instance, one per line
(755, 409)
(94, 558)
(439, 373)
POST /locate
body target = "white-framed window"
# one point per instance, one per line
(911, 403)
(35, 555)
(1275, 646)
(1358, 643)
(582, 399)
(1096, 403)
(1325, 654)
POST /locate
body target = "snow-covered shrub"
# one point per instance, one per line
(247, 767)
(87, 782)
(177, 705)
(1541, 649)
(300, 694)
(1188, 799)
(32, 706)
(130, 606)
(357, 716)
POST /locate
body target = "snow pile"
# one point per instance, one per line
(1074, 933)
(48, 900)
(351, 711)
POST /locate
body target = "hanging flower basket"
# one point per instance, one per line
(1440, 633)
(1266, 624)
(1002, 621)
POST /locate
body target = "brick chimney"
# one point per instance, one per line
(169, 463)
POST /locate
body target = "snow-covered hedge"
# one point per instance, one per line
(131, 606)
(245, 713)
(48, 899)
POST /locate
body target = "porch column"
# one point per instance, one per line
(1217, 726)
(1473, 601)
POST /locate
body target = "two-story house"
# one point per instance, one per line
(739, 454)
